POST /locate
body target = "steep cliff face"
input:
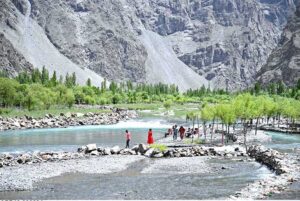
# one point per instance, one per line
(284, 62)
(187, 42)
(11, 61)
(226, 41)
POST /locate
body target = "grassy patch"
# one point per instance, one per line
(54, 111)
(160, 147)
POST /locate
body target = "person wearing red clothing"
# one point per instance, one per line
(181, 132)
(150, 137)
(128, 138)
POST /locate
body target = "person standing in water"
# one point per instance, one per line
(128, 138)
(150, 137)
(175, 132)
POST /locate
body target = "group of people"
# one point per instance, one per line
(128, 137)
(174, 131)
(182, 132)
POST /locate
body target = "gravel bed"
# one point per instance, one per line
(191, 165)
(23, 177)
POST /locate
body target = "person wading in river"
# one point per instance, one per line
(128, 138)
(150, 137)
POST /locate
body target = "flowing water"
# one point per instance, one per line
(287, 143)
(69, 139)
(212, 178)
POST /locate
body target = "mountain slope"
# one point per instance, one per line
(284, 62)
(218, 42)
(28, 38)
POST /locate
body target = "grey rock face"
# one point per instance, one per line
(284, 62)
(11, 61)
(98, 35)
(224, 42)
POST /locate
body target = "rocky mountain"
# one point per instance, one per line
(221, 43)
(284, 62)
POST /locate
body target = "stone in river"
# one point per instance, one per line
(91, 147)
(95, 153)
(115, 150)
(23, 124)
(107, 151)
(142, 148)
(149, 153)
(79, 115)
(16, 124)
(159, 155)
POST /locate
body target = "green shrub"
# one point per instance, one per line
(4, 111)
(160, 147)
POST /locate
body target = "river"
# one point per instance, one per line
(206, 178)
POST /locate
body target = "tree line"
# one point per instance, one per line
(247, 110)
(40, 90)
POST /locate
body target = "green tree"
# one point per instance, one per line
(257, 88)
(280, 88)
(69, 98)
(73, 79)
(36, 76)
(53, 80)
(89, 82)
(103, 85)
(44, 76)
(7, 91)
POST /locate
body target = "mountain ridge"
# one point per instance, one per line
(224, 43)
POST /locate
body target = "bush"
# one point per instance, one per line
(160, 147)
(4, 111)
(89, 100)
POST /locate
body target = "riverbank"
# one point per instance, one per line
(67, 119)
(279, 129)
(18, 178)
(283, 165)
(286, 168)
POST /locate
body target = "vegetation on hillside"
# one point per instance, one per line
(40, 91)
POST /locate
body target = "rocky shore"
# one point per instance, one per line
(141, 149)
(280, 129)
(286, 170)
(68, 119)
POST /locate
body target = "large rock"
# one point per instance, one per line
(79, 115)
(17, 124)
(135, 148)
(95, 153)
(91, 147)
(149, 153)
(142, 148)
(107, 151)
(24, 158)
(115, 150)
